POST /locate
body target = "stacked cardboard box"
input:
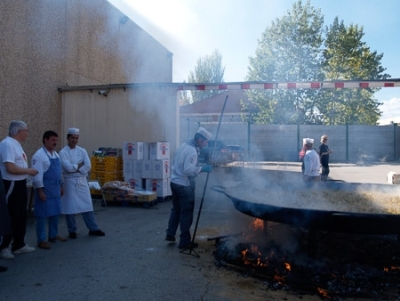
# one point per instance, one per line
(147, 166)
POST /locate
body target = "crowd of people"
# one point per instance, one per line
(315, 165)
(60, 187)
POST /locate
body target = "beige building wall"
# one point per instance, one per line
(47, 44)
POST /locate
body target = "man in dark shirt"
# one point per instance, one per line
(324, 152)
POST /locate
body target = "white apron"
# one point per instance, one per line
(76, 198)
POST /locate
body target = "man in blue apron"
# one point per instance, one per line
(48, 190)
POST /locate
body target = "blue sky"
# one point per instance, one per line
(191, 29)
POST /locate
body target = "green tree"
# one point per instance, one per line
(289, 50)
(347, 57)
(293, 49)
(209, 69)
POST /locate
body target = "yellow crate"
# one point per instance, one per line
(107, 168)
(103, 177)
(95, 192)
(106, 160)
(109, 197)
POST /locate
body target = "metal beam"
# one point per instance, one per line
(246, 85)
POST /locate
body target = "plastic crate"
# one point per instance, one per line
(107, 168)
(104, 177)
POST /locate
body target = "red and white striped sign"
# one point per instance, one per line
(290, 85)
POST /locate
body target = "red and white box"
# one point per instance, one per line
(135, 183)
(146, 151)
(127, 169)
(132, 150)
(162, 187)
(161, 169)
(137, 168)
(147, 169)
(159, 150)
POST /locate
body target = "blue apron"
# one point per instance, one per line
(52, 188)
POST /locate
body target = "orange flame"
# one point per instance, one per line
(258, 224)
(392, 268)
(288, 267)
(323, 292)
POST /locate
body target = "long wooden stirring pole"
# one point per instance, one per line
(205, 184)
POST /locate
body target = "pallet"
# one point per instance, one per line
(122, 203)
(164, 199)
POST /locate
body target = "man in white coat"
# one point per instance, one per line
(77, 199)
(311, 163)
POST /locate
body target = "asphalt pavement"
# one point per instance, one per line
(134, 262)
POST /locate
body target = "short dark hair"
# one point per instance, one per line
(49, 134)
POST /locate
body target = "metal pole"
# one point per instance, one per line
(205, 184)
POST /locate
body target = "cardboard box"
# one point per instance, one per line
(135, 183)
(159, 150)
(127, 169)
(137, 168)
(146, 151)
(132, 150)
(161, 169)
(146, 169)
(162, 187)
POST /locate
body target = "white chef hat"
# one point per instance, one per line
(206, 134)
(309, 141)
(73, 131)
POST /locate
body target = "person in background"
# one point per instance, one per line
(302, 153)
(311, 163)
(4, 219)
(15, 170)
(184, 172)
(48, 190)
(76, 199)
(324, 153)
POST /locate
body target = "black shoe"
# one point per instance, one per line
(72, 235)
(189, 246)
(2, 269)
(97, 233)
(170, 238)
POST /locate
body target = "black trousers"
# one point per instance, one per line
(325, 172)
(17, 211)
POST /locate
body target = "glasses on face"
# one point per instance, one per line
(325, 139)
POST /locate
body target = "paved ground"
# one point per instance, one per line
(134, 262)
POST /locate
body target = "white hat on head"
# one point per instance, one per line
(309, 141)
(304, 141)
(206, 134)
(73, 131)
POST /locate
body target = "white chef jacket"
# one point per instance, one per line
(76, 198)
(311, 163)
(11, 151)
(41, 162)
(185, 164)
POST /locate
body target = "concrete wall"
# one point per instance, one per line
(147, 115)
(45, 44)
(352, 143)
